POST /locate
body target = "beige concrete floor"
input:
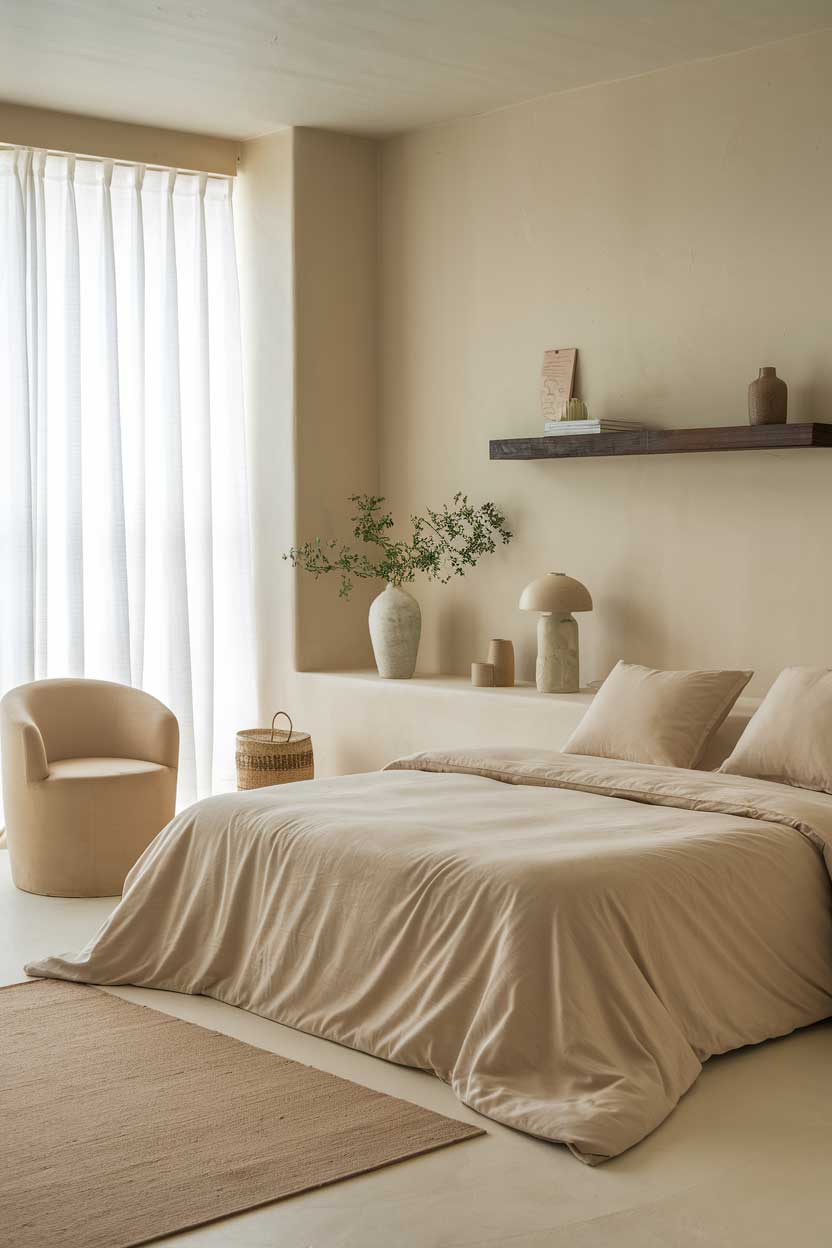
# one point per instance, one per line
(744, 1160)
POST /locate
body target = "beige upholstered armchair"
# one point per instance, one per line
(89, 778)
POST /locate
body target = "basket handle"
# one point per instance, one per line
(274, 717)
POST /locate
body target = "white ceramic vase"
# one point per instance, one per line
(395, 629)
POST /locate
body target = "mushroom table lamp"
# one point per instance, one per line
(556, 596)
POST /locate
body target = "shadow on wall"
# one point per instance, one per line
(623, 617)
(810, 400)
(457, 634)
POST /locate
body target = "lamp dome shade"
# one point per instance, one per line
(555, 592)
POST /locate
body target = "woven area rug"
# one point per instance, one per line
(122, 1124)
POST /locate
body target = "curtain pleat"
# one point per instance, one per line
(37, 355)
(124, 532)
(233, 603)
(106, 616)
(128, 226)
(197, 461)
(117, 616)
(16, 534)
(167, 659)
(72, 460)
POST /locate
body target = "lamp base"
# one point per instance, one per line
(558, 667)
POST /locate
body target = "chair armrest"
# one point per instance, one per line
(23, 748)
(151, 728)
(34, 753)
(166, 739)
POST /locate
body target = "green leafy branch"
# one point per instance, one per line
(442, 544)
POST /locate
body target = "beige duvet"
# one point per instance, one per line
(563, 940)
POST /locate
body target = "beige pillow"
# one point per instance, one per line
(789, 737)
(645, 716)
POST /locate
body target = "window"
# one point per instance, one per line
(124, 538)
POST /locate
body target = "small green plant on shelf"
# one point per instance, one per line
(442, 544)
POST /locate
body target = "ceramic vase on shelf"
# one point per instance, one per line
(395, 629)
(501, 655)
(767, 398)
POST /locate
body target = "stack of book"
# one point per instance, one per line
(564, 428)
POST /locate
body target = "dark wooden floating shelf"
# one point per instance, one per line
(664, 441)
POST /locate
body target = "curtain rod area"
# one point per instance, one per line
(111, 160)
(124, 143)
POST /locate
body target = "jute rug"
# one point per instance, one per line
(121, 1124)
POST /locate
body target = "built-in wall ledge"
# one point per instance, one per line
(419, 683)
(359, 722)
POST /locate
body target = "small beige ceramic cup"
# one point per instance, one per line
(501, 658)
(482, 675)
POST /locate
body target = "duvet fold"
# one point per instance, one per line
(563, 940)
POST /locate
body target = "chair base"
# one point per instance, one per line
(86, 825)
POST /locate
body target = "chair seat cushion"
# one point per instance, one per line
(97, 768)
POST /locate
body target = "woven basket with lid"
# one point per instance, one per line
(273, 756)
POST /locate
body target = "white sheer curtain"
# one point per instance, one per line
(124, 537)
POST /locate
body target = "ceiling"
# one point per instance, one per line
(241, 68)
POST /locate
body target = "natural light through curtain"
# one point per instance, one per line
(124, 538)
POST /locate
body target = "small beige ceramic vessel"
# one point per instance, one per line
(767, 399)
(501, 655)
(482, 675)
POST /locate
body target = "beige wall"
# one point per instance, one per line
(676, 228)
(673, 227)
(306, 216)
(116, 140)
(335, 273)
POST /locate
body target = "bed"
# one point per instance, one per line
(562, 939)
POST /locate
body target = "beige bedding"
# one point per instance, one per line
(563, 940)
